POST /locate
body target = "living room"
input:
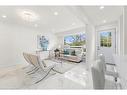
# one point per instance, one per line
(53, 47)
(24, 34)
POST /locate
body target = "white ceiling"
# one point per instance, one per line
(98, 16)
(65, 19)
(47, 20)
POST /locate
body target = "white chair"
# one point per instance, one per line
(40, 65)
(33, 67)
(111, 72)
(121, 64)
(98, 76)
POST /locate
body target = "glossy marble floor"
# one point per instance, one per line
(75, 76)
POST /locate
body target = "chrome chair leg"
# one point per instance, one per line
(44, 76)
(32, 70)
(57, 71)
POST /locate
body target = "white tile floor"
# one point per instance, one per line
(75, 77)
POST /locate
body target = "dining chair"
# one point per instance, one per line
(98, 75)
(100, 80)
(111, 72)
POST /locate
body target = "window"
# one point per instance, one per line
(105, 39)
(75, 40)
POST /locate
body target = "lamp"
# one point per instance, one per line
(28, 15)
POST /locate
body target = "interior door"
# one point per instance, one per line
(106, 44)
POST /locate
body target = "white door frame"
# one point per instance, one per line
(116, 36)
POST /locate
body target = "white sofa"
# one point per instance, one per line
(79, 54)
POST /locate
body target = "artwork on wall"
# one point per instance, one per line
(42, 42)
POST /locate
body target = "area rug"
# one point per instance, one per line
(61, 66)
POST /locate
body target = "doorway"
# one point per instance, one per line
(106, 44)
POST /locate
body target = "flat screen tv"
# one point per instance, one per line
(75, 40)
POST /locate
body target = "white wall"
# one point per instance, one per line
(14, 40)
(121, 36)
(125, 30)
(90, 44)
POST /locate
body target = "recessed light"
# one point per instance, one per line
(104, 21)
(56, 13)
(4, 16)
(102, 7)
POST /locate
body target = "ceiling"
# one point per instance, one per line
(57, 18)
(102, 14)
(47, 18)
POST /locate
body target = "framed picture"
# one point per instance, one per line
(42, 42)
